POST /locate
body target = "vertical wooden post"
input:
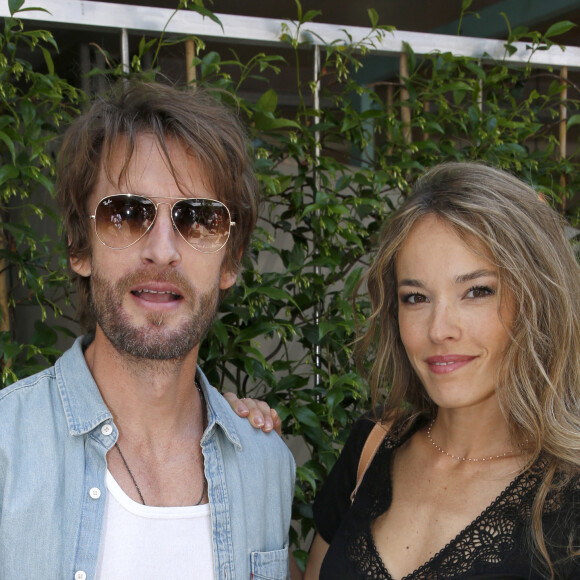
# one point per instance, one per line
(4, 310)
(480, 95)
(563, 119)
(405, 111)
(390, 91)
(427, 107)
(189, 56)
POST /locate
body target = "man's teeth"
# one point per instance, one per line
(157, 292)
(442, 364)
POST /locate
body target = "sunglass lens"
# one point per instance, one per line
(204, 223)
(122, 219)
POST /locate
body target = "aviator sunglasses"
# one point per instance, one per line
(121, 220)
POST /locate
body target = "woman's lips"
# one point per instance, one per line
(444, 364)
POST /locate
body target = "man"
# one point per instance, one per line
(121, 461)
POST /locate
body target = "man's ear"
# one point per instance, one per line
(82, 266)
(227, 278)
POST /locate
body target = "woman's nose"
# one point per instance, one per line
(445, 323)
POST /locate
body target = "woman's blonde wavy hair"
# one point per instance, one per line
(538, 384)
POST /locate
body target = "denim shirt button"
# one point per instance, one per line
(106, 429)
(95, 493)
(80, 575)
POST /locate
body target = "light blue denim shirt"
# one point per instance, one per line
(55, 432)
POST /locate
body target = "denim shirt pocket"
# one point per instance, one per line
(269, 565)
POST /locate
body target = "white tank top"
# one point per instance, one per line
(153, 543)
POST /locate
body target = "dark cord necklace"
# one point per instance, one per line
(130, 473)
(202, 399)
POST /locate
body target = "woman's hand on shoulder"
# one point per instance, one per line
(259, 413)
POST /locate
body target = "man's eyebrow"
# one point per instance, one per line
(475, 275)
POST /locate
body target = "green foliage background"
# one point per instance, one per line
(330, 178)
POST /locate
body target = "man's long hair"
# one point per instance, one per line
(207, 130)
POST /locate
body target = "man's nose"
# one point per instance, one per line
(161, 244)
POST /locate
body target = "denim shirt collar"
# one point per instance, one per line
(219, 413)
(83, 405)
(85, 409)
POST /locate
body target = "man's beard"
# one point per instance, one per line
(153, 340)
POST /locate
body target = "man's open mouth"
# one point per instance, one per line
(156, 295)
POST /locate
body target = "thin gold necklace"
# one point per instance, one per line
(456, 457)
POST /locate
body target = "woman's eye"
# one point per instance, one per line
(414, 298)
(480, 292)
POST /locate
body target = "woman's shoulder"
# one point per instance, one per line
(391, 430)
(362, 427)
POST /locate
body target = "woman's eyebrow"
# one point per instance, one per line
(411, 282)
(461, 279)
(475, 275)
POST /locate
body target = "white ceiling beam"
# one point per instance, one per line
(267, 31)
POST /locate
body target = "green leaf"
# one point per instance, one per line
(43, 334)
(206, 13)
(48, 60)
(299, 10)
(573, 120)
(267, 122)
(219, 329)
(10, 349)
(324, 328)
(10, 144)
(47, 183)
(14, 6)
(351, 282)
(8, 172)
(27, 111)
(276, 293)
(268, 102)
(6, 120)
(559, 28)
(311, 15)
(334, 398)
(306, 417)
(303, 473)
(433, 126)
(373, 17)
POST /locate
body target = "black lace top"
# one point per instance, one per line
(495, 545)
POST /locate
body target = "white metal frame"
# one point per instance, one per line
(266, 31)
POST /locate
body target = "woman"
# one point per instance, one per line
(476, 328)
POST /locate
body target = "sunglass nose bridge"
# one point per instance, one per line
(170, 206)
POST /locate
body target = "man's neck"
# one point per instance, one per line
(146, 397)
(159, 414)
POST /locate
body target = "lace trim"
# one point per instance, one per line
(487, 540)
